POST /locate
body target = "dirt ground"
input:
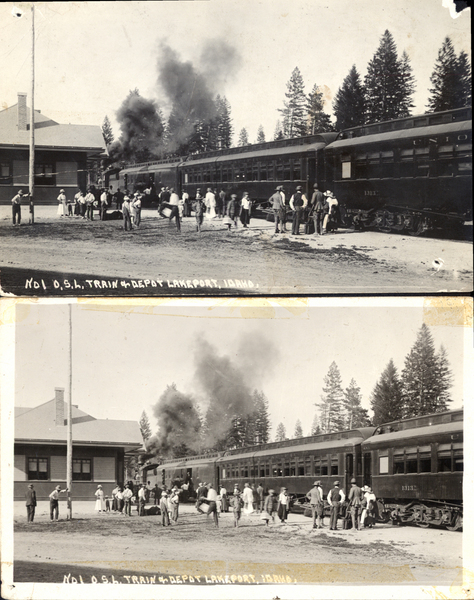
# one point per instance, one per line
(193, 550)
(77, 257)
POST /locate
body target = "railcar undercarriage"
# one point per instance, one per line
(426, 513)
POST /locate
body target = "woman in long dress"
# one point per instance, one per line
(100, 502)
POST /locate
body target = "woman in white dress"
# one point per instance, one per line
(62, 203)
(100, 502)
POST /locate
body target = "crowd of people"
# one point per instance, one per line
(357, 508)
(319, 214)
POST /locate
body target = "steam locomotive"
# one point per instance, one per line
(409, 175)
(414, 466)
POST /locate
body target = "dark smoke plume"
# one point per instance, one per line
(226, 391)
(191, 89)
(179, 424)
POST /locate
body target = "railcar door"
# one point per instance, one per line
(349, 470)
(367, 468)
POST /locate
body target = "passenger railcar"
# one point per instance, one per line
(412, 174)
(409, 175)
(415, 467)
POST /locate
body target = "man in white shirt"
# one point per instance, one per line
(142, 500)
(212, 499)
(174, 203)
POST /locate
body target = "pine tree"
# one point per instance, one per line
(261, 418)
(407, 86)
(387, 91)
(243, 137)
(451, 79)
(419, 377)
(145, 426)
(332, 414)
(260, 135)
(464, 79)
(298, 429)
(224, 123)
(280, 435)
(349, 102)
(315, 428)
(278, 134)
(444, 379)
(318, 120)
(386, 399)
(295, 107)
(107, 131)
(356, 415)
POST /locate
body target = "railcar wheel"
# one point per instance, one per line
(457, 524)
(423, 524)
(385, 229)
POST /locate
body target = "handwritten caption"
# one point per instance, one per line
(74, 285)
(180, 579)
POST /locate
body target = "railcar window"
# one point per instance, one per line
(262, 471)
(267, 470)
(346, 170)
(252, 471)
(224, 473)
(334, 466)
(307, 468)
(286, 171)
(361, 166)
(444, 461)
(218, 175)
(300, 472)
(398, 464)
(458, 461)
(324, 467)
(246, 471)
(271, 171)
(255, 172)
(263, 172)
(383, 465)
(287, 469)
(317, 466)
(296, 170)
(412, 464)
(248, 172)
(279, 171)
(292, 468)
(425, 463)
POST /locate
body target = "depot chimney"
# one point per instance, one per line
(59, 401)
(22, 116)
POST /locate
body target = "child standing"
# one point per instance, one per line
(126, 211)
(107, 504)
(198, 207)
(236, 504)
(269, 507)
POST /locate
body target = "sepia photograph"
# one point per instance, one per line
(236, 448)
(235, 148)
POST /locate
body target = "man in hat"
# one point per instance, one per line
(335, 498)
(355, 502)
(298, 203)
(30, 503)
(279, 209)
(142, 500)
(315, 499)
(54, 503)
(16, 207)
(317, 209)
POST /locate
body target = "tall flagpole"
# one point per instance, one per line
(69, 421)
(31, 177)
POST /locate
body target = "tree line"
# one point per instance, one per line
(386, 92)
(422, 387)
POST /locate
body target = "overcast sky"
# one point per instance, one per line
(90, 54)
(124, 357)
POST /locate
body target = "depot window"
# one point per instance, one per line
(81, 469)
(44, 174)
(38, 468)
(5, 173)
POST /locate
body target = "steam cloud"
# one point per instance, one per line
(225, 385)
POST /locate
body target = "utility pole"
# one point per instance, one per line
(31, 178)
(69, 419)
